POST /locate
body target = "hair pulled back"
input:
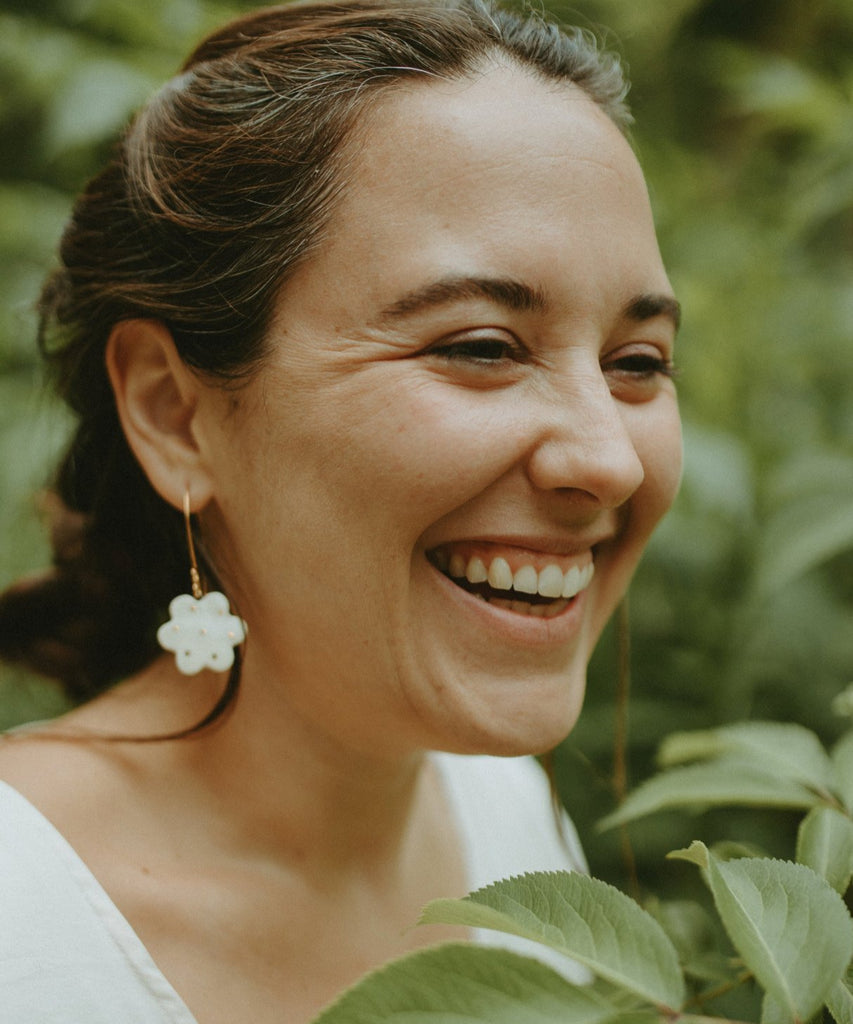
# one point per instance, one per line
(219, 189)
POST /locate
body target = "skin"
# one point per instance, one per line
(402, 410)
(373, 441)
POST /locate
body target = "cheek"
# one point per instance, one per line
(660, 450)
(657, 441)
(655, 431)
(435, 452)
(368, 468)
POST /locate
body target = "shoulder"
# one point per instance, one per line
(74, 808)
(76, 770)
(39, 868)
(58, 777)
(45, 914)
(65, 951)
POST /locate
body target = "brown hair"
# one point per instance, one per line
(222, 185)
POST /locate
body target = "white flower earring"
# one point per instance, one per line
(201, 631)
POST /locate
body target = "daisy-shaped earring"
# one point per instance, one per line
(201, 631)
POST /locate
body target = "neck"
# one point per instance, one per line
(272, 783)
(288, 792)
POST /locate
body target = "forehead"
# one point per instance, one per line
(501, 174)
(503, 123)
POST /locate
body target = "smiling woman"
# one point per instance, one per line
(369, 312)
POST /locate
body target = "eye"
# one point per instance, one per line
(483, 351)
(642, 365)
(636, 373)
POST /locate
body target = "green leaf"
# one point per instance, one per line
(731, 849)
(840, 1001)
(825, 844)
(775, 912)
(461, 983)
(687, 925)
(777, 748)
(812, 530)
(584, 918)
(697, 853)
(693, 932)
(771, 1011)
(812, 522)
(725, 782)
(842, 764)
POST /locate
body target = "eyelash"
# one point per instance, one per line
(490, 351)
(473, 350)
(644, 366)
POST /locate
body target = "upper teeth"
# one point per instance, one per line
(550, 581)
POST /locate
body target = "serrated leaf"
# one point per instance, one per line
(729, 849)
(825, 844)
(777, 748)
(584, 918)
(773, 911)
(840, 1002)
(461, 983)
(726, 782)
(842, 765)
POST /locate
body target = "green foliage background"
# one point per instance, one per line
(744, 605)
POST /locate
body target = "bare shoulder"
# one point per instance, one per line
(69, 781)
(78, 774)
(79, 761)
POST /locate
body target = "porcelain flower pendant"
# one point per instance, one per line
(201, 632)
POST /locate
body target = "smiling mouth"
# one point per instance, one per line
(544, 591)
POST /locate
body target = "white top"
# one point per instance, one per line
(67, 956)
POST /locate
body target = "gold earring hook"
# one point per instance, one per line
(201, 631)
(198, 593)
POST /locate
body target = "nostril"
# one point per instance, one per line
(598, 459)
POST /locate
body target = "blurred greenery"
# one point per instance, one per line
(743, 607)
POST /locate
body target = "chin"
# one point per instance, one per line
(533, 723)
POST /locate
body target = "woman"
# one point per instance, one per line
(370, 291)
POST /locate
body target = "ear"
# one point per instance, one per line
(157, 397)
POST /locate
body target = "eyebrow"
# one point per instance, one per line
(513, 295)
(647, 307)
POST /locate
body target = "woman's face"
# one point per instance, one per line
(468, 378)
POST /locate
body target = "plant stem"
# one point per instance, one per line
(695, 1018)
(620, 737)
(720, 990)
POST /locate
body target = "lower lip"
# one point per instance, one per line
(529, 630)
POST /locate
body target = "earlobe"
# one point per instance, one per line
(157, 397)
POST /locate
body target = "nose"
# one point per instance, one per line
(584, 444)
